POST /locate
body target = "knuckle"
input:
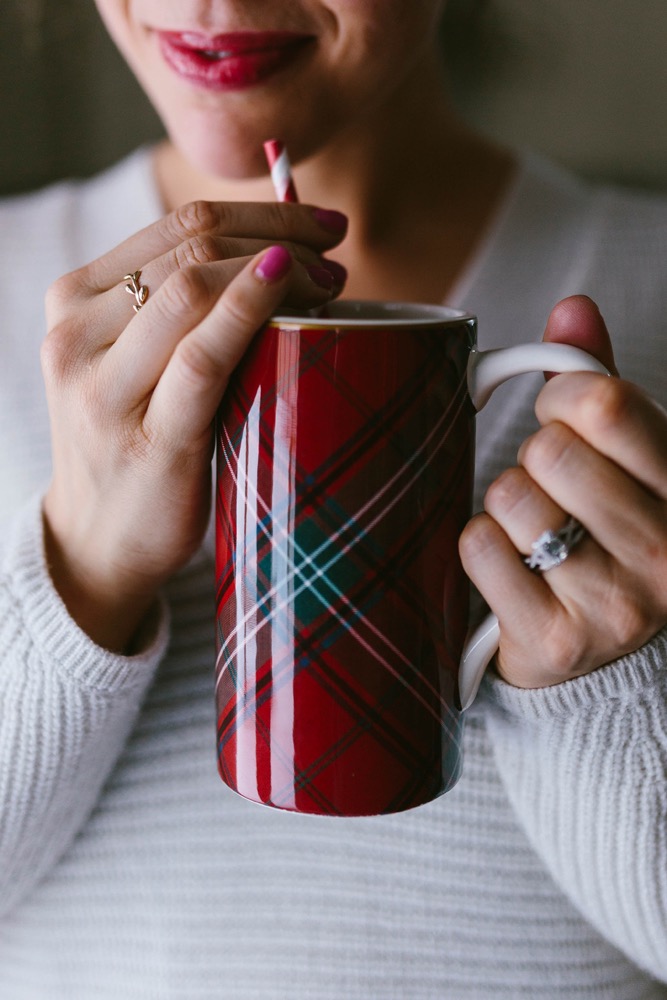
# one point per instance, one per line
(204, 249)
(237, 315)
(193, 218)
(548, 448)
(561, 650)
(60, 352)
(198, 364)
(630, 622)
(607, 404)
(507, 490)
(649, 548)
(60, 293)
(184, 291)
(479, 535)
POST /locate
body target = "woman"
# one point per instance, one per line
(128, 869)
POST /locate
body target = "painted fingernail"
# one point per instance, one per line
(334, 222)
(337, 271)
(321, 276)
(274, 265)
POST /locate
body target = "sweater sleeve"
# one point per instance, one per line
(66, 710)
(584, 764)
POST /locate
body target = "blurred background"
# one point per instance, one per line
(583, 81)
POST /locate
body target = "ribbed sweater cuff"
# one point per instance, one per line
(639, 674)
(55, 634)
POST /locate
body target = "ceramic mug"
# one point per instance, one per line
(345, 450)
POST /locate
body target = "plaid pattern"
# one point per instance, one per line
(344, 480)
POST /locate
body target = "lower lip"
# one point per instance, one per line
(236, 71)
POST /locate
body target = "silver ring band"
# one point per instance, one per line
(553, 547)
(139, 291)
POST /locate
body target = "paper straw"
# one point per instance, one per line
(281, 172)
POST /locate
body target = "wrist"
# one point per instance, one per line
(112, 611)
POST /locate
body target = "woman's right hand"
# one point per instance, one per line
(132, 396)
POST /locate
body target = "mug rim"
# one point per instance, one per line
(350, 313)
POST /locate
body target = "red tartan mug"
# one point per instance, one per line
(345, 471)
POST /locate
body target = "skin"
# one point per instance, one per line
(132, 397)
(600, 455)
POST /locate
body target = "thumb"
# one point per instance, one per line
(578, 321)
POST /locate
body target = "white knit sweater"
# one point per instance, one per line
(128, 871)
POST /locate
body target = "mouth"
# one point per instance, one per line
(231, 61)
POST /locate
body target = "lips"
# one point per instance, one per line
(232, 61)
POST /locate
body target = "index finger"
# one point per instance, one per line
(187, 395)
(319, 229)
(616, 418)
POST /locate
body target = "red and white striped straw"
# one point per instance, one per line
(281, 172)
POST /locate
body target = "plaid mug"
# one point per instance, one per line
(345, 447)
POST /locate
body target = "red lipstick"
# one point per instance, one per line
(232, 61)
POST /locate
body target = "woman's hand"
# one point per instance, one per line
(600, 456)
(132, 396)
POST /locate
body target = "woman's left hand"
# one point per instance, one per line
(600, 456)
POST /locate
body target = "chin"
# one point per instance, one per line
(217, 148)
(217, 160)
(230, 145)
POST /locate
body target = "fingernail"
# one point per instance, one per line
(321, 276)
(274, 264)
(337, 271)
(335, 222)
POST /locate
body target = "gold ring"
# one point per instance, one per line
(140, 292)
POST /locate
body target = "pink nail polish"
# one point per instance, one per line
(334, 222)
(337, 271)
(321, 276)
(274, 265)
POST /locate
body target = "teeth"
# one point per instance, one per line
(215, 54)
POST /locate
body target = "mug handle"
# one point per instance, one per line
(486, 371)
